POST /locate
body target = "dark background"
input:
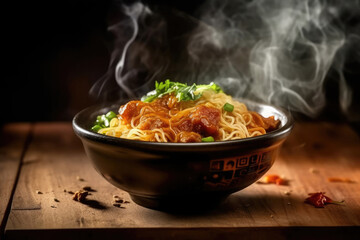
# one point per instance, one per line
(54, 51)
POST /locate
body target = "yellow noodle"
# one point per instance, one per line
(232, 125)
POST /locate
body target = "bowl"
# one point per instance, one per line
(170, 176)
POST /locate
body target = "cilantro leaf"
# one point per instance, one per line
(182, 91)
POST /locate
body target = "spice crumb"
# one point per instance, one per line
(64, 190)
(53, 206)
(38, 192)
(287, 192)
(79, 179)
(118, 199)
(56, 200)
(70, 192)
(80, 195)
(87, 188)
(117, 205)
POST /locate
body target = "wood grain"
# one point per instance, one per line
(12, 142)
(55, 158)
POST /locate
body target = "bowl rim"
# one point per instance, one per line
(279, 133)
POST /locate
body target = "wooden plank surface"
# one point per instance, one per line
(12, 142)
(314, 151)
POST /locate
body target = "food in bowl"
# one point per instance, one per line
(175, 175)
(176, 112)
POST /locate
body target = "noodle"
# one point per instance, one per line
(168, 120)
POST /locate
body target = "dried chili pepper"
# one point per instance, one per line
(319, 200)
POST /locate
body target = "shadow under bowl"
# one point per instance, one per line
(175, 176)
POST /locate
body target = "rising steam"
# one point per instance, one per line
(278, 52)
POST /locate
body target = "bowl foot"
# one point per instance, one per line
(180, 203)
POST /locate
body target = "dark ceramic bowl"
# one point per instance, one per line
(175, 175)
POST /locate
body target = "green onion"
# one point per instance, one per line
(228, 107)
(110, 115)
(208, 139)
(96, 128)
(105, 121)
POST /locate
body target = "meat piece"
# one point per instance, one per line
(187, 137)
(269, 124)
(152, 123)
(185, 125)
(130, 110)
(206, 120)
(202, 120)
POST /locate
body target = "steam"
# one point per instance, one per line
(289, 64)
(133, 14)
(138, 36)
(277, 52)
(292, 47)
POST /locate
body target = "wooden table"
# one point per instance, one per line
(49, 158)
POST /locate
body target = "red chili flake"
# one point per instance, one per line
(319, 200)
(274, 179)
(337, 179)
(271, 178)
(281, 181)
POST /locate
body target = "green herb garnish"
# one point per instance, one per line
(228, 107)
(208, 139)
(96, 128)
(182, 91)
(103, 121)
(110, 115)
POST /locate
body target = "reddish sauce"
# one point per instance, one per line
(189, 125)
(205, 120)
(189, 137)
(161, 113)
(130, 110)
